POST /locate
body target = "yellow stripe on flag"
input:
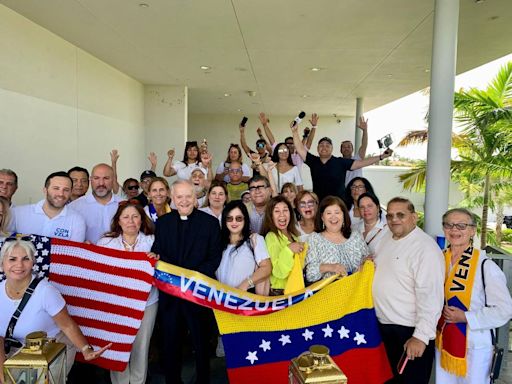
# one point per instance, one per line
(354, 293)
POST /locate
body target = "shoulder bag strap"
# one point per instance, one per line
(493, 337)
(14, 319)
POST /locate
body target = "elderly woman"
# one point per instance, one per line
(132, 231)
(5, 217)
(159, 196)
(216, 199)
(45, 310)
(471, 309)
(234, 155)
(374, 226)
(336, 249)
(355, 188)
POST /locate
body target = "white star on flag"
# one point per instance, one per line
(359, 338)
(308, 335)
(41, 274)
(39, 259)
(45, 267)
(285, 339)
(45, 252)
(252, 357)
(39, 245)
(265, 345)
(44, 239)
(35, 268)
(327, 331)
(343, 332)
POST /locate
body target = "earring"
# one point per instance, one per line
(323, 225)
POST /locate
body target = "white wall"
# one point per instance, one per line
(60, 107)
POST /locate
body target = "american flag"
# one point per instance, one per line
(105, 290)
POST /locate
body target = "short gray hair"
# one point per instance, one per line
(463, 211)
(182, 182)
(9, 246)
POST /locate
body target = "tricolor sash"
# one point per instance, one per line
(452, 338)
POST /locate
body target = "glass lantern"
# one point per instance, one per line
(315, 366)
(40, 361)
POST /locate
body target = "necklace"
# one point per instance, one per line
(14, 293)
(127, 245)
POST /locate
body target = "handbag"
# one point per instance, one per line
(497, 352)
(9, 341)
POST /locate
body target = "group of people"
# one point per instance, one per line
(248, 226)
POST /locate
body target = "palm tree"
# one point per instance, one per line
(484, 142)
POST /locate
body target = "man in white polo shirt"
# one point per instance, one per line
(51, 217)
(99, 206)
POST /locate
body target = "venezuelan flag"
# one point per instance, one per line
(340, 316)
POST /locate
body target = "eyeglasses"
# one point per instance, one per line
(235, 170)
(132, 187)
(19, 237)
(355, 187)
(238, 219)
(257, 187)
(307, 204)
(399, 216)
(459, 226)
(283, 150)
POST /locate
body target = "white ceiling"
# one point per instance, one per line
(376, 49)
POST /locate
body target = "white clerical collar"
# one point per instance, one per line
(183, 217)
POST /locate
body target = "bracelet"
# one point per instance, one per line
(313, 127)
(86, 347)
(250, 283)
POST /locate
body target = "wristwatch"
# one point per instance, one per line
(86, 347)
(250, 283)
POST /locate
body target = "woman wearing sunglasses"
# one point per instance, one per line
(132, 231)
(306, 203)
(471, 310)
(284, 171)
(234, 155)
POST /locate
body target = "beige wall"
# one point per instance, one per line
(61, 107)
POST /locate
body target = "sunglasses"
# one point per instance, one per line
(19, 237)
(307, 204)
(283, 150)
(260, 145)
(399, 216)
(459, 226)
(132, 187)
(238, 219)
(124, 203)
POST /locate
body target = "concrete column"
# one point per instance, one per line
(165, 120)
(442, 82)
(358, 133)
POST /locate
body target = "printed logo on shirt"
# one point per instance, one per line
(61, 232)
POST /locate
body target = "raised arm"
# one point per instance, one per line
(363, 126)
(168, 168)
(153, 160)
(114, 156)
(264, 121)
(370, 160)
(206, 160)
(268, 147)
(297, 142)
(243, 142)
(311, 136)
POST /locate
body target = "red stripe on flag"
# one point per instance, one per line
(71, 281)
(104, 251)
(118, 347)
(99, 267)
(361, 366)
(104, 326)
(104, 307)
(454, 341)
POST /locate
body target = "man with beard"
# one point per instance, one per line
(99, 206)
(188, 238)
(51, 216)
(80, 177)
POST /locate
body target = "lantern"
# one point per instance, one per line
(315, 366)
(40, 361)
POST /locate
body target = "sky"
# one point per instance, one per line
(407, 114)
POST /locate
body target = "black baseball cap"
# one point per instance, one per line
(147, 173)
(325, 139)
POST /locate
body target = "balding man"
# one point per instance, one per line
(188, 238)
(51, 216)
(99, 206)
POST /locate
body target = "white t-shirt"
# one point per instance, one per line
(246, 171)
(97, 216)
(184, 171)
(143, 244)
(37, 315)
(290, 176)
(237, 265)
(68, 224)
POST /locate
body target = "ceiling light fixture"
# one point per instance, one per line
(144, 5)
(227, 94)
(251, 93)
(427, 70)
(479, 1)
(205, 67)
(305, 96)
(316, 69)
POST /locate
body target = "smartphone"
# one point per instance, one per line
(402, 363)
(244, 121)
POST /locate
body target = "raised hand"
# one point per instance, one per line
(314, 120)
(114, 156)
(206, 158)
(255, 157)
(170, 153)
(263, 118)
(152, 159)
(362, 123)
(258, 131)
